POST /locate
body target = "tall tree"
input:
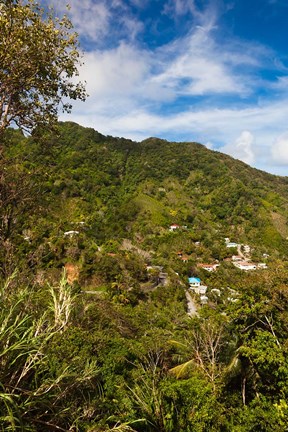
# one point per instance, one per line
(39, 58)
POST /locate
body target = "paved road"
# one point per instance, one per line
(191, 305)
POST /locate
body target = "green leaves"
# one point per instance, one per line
(38, 59)
(32, 390)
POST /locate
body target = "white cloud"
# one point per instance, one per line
(242, 148)
(281, 84)
(115, 72)
(98, 20)
(90, 19)
(279, 150)
(194, 73)
(137, 92)
(220, 125)
(196, 65)
(210, 145)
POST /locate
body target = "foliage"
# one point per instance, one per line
(34, 395)
(38, 58)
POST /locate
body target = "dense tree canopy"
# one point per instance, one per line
(38, 59)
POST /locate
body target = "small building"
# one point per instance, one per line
(174, 227)
(244, 265)
(209, 267)
(231, 245)
(200, 290)
(194, 282)
(203, 299)
(262, 265)
(196, 287)
(237, 258)
(70, 233)
(184, 258)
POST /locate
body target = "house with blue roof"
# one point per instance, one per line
(195, 285)
(194, 282)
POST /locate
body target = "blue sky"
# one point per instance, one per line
(215, 72)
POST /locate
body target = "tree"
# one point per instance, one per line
(17, 195)
(207, 350)
(38, 60)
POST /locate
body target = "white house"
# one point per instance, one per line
(71, 233)
(196, 287)
(201, 290)
(243, 265)
(209, 267)
(262, 265)
(231, 245)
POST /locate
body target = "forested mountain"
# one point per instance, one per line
(115, 188)
(109, 345)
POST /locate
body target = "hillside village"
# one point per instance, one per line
(139, 296)
(241, 261)
(203, 294)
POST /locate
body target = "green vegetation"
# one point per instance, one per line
(38, 58)
(95, 334)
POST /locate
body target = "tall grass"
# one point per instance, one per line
(31, 390)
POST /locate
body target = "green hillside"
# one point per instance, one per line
(115, 189)
(109, 345)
